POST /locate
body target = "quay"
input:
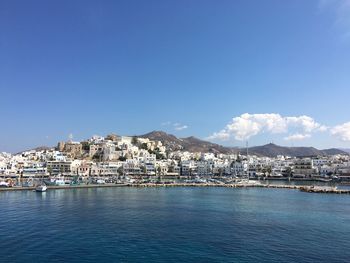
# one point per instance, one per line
(57, 187)
(303, 188)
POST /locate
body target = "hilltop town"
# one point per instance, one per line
(116, 158)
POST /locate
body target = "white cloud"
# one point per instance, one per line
(181, 127)
(297, 137)
(176, 125)
(305, 122)
(247, 125)
(342, 131)
(221, 135)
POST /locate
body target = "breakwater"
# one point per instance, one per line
(304, 188)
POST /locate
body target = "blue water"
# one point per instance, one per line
(174, 224)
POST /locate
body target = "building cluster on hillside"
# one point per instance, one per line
(130, 156)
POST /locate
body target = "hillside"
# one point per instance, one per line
(191, 144)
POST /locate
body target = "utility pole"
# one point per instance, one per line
(247, 160)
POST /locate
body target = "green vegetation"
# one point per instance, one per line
(134, 141)
(144, 146)
(122, 158)
(97, 156)
(85, 146)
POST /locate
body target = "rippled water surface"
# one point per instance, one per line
(174, 224)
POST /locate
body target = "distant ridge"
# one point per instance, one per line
(193, 144)
(345, 150)
(39, 148)
(334, 151)
(272, 150)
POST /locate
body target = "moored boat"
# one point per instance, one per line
(41, 188)
(4, 184)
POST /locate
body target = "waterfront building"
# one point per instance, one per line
(325, 170)
(304, 167)
(188, 168)
(204, 168)
(34, 169)
(59, 167)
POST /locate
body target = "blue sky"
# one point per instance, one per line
(186, 67)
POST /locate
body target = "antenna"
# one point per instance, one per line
(246, 145)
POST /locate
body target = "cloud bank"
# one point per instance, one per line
(342, 131)
(248, 125)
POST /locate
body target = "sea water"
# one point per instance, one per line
(195, 224)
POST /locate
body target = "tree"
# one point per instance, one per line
(134, 141)
(85, 146)
(144, 146)
(269, 170)
(159, 155)
(122, 158)
(120, 170)
(61, 169)
(158, 171)
(288, 171)
(97, 156)
(143, 169)
(171, 168)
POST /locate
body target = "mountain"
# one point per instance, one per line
(272, 150)
(334, 151)
(344, 150)
(191, 144)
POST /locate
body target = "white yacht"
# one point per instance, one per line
(41, 188)
(4, 184)
(100, 181)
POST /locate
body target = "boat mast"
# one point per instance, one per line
(246, 144)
